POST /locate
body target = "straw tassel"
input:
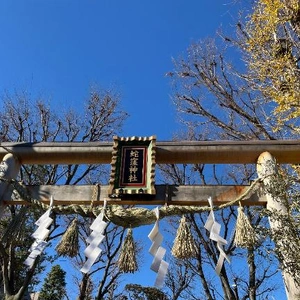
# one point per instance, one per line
(69, 244)
(127, 259)
(184, 243)
(245, 236)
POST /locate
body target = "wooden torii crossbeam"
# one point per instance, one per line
(188, 152)
(165, 195)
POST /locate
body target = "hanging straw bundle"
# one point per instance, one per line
(245, 236)
(127, 259)
(184, 243)
(69, 244)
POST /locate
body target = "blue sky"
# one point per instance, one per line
(58, 49)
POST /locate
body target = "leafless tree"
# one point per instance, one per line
(216, 100)
(25, 120)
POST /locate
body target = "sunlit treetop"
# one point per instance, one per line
(273, 48)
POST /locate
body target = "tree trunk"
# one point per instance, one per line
(229, 294)
(83, 287)
(252, 273)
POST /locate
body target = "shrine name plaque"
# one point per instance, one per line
(132, 166)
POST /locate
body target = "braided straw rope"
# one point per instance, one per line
(129, 217)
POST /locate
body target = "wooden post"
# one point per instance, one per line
(9, 169)
(266, 167)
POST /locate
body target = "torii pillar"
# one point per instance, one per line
(266, 167)
(9, 169)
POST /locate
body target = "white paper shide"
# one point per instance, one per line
(93, 250)
(158, 264)
(40, 235)
(214, 228)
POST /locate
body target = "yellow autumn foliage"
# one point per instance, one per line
(273, 30)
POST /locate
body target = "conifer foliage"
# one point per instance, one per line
(54, 287)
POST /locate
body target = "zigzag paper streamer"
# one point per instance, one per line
(93, 251)
(158, 264)
(214, 228)
(41, 233)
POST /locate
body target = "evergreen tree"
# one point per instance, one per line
(54, 287)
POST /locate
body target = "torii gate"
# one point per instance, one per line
(261, 153)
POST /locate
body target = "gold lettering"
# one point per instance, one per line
(133, 169)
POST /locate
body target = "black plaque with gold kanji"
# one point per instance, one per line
(133, 166)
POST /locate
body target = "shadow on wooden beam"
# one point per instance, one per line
(165, 195)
